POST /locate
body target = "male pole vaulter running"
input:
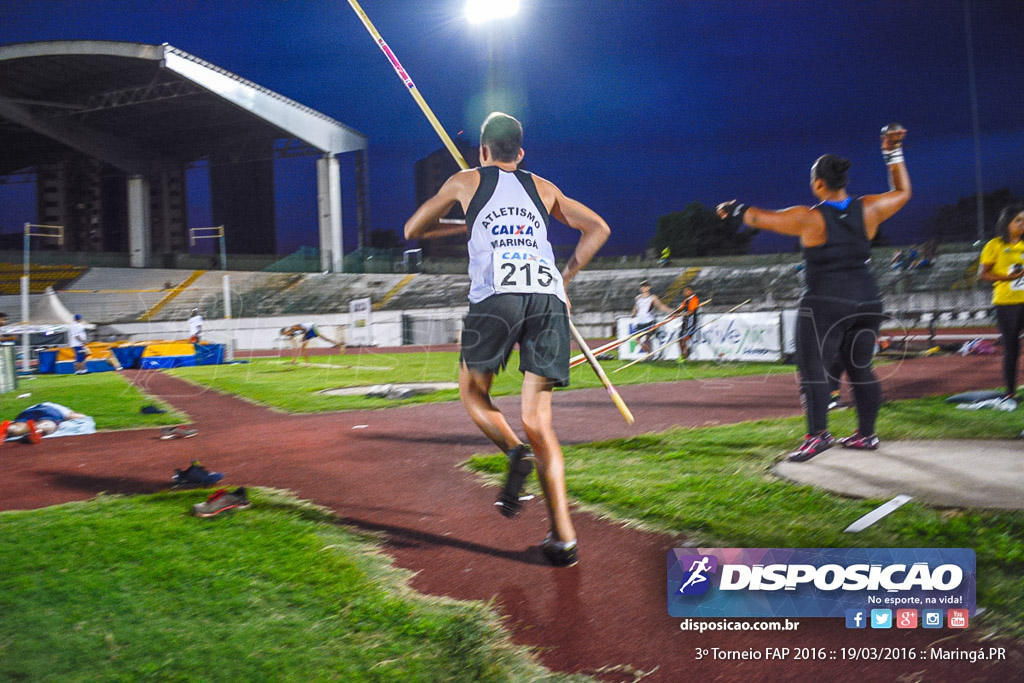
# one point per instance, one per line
(516, 295)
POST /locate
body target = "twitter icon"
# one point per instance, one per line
(881, 618)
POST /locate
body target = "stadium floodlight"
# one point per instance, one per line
(480, 11)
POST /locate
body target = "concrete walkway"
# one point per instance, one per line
(973, 474)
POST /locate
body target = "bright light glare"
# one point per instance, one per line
(479, 11)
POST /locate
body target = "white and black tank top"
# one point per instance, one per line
(509, 251)
(644, 304)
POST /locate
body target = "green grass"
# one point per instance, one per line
(294, 388)
(715, 485)
(110, 399)
(121, 589)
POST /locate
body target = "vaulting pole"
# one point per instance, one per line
(439, 129)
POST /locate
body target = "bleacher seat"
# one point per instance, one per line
(40, 276)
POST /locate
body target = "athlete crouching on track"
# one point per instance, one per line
(841, 309)
(516, 295)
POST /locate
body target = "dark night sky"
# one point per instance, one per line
(635, 108)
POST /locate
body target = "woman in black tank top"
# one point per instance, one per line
(841, 309)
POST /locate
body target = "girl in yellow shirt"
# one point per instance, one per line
(1002, 263)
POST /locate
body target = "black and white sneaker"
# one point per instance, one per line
(858, 441)
(520, 464)
(560, 554)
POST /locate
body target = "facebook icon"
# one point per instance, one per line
(856, 618)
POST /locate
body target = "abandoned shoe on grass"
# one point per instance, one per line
(222, 501)
(196, 475)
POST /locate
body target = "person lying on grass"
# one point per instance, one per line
(37, 421)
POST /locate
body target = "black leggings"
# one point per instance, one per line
(1010, 319)
(829, 327)
(835, 371)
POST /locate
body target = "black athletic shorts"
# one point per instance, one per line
(689, 326)
(539, 323)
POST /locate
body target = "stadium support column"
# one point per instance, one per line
(328, 184)
(362, 199)
(138, 221)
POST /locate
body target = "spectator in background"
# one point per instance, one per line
(897, 260)
(77, 339)
(691, 310)
(195, 326)
(911, 257)
(643, 313)
(666, 254)
(926, 259)
(904, 260)
(1002, 263)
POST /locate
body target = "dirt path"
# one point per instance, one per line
(399, 475)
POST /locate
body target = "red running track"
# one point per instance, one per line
(400, 475)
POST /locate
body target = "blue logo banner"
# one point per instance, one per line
(818, 582)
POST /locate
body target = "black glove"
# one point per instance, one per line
(736, 210)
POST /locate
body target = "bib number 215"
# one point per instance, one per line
(524, 277)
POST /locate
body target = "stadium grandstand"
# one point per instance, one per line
(40, 277)
(129, 303)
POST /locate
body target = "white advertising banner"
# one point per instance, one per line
(739, 336)
(789, 332)
(360, 332)
(661, 337)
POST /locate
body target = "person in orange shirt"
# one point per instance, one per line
(691, 309)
